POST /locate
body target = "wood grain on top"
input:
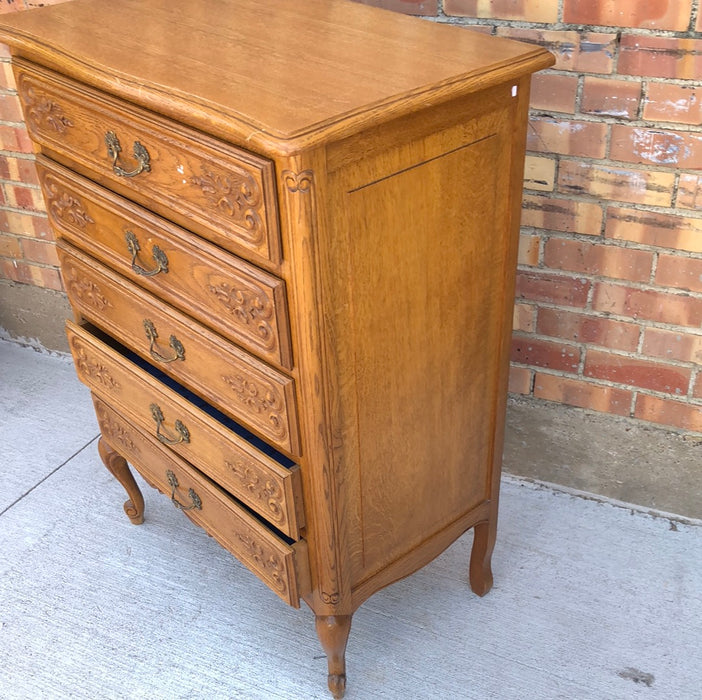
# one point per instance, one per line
(279, 71)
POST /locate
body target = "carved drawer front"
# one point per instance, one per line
(232, 296)
(244, 388)
(219, 191)
(267, 483)
(282, 565)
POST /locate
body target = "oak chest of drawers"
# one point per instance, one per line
(288, 232)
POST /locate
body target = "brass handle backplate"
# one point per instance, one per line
(141, 155)
(156, 253)
(195, 502)
(183, 434)
(176, 345)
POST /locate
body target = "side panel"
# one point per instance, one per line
(421, 250)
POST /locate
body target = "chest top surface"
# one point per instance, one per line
(282, 72)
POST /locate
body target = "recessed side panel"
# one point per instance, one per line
(426, 263)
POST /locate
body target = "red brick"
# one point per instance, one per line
(648, 304)
(654, 229)
(671, 102)
(18, 170)
(660, 57)
(428, 8)
(574, 51)
(7, 77)
(523, 318)
(652, 14)
(553, 92)
(598, 259)
(596, 53)
(527, 350)
(569, 137)
(19, 271)
(584, 328)
(552, 289)
(539, 173)
(610, 97)
(697, 389)
(524, 10)
(529, 250)
(520, 380)
(646, 374)
(10, 109)
(9, 246)
(607, 182)
(672, 345)
(576, 392)
(689, 191)
(633, 144)
(43, 252)
(570, 215)
(14, 138)
(669, 412)
(677, 271)
(26, 224)
(23, 197)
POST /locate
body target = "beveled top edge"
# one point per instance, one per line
(325, 102)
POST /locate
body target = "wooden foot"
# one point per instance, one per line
(333, 632)
(480, 558)
(118, 467)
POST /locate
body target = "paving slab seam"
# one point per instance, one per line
(49, 475)
(588, 496)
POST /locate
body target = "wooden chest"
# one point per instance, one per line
(288, 232)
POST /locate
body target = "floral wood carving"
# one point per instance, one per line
(260, 489)
(92, 368)
(43, 113)
(251, 307)
(114, 430)
(265, 560)
(85, 290)
(263, 399)
(64, 207)
(298, 182)
(235, 195)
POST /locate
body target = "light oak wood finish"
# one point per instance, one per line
(258, 480)
(233, 297)
(387, 153)
(282, 566)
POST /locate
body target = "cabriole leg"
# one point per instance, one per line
(333, 632)
(481, 556)
(118, 467)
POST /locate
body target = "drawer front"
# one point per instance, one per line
(238, 384)
(282, 566)
(219, 191)
(235, 298)
(262, 483)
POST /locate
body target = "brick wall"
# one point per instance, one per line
(608, 313)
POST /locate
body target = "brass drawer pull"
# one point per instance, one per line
(195, 502)
(156, 253)
(183, 432)
(176, 345)
(141, 155)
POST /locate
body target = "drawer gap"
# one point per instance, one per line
(220, 417)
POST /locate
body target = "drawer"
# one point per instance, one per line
(281, 565)
(221, 192)
(244, 388)
(235, 298)
(270, 486)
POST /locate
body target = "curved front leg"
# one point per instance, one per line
(118, 467)
(481, 557)
(333, 632)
